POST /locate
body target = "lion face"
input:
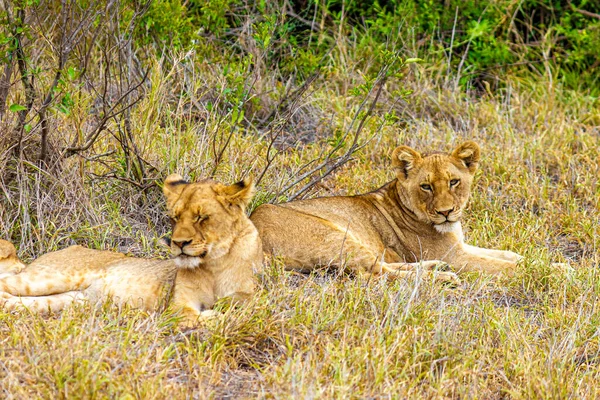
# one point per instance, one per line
(436, 187)
(205, 217)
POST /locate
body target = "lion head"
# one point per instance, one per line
(206, 217)
(436, 187)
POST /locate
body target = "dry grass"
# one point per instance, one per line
(534, 335)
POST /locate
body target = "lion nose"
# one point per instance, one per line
(445, 213)
(181, 243)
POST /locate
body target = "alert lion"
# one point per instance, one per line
(411, 221)
(215, 247)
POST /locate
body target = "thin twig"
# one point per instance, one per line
(91, 138)
(588, 13)
(331, 163)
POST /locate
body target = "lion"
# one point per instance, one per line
(216, 251)
(411, 222)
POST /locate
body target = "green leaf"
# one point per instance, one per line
(72, 73)
(16, 107)
(412, 60)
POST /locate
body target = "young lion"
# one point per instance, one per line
(411, 221)
(215, 247)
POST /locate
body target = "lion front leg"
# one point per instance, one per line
(463, 261)
(435, 270)
(499, 254)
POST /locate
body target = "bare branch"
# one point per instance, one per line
(346, 157)
(332, 162)
(113, 175)
(110, 113)
(26, 78)
(588, 13)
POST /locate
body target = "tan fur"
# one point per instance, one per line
(217, 248)
(411, 221)
(9, 262)
(218, 262)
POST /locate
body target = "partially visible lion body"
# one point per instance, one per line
(413, 221)
(77, 273)
(231, 253)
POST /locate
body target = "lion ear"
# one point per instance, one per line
(404, 159)
(7, 249)
(173, 187)
(468, 153)
(239, 193)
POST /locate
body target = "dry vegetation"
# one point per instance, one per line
(534, 335)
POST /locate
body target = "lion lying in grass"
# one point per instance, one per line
(411, 221)
(215, 247)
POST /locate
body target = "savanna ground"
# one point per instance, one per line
(233, 104)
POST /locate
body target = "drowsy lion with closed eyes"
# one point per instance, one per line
(215, 248)
(412, 221)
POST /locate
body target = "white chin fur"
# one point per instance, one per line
(453, 227)
(188, 262)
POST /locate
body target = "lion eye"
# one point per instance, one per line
(426, 187)
(454, 182)
(201, 218)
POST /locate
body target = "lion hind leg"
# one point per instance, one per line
(34, 282)
(41, 304)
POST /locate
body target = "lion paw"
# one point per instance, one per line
(563, 267)
(512, 256)
(209, 314)
(435, 265)
(449, 278)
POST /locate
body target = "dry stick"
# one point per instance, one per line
(91, 138)
(113, 175)
(8, 69)
(139, 170)
(588, 13)
(268, 156)
(221, 152)
(214, 143)
(66, 45)
(274, 138)
(343, 159)
(5, 86)
(294, 98)
(63, 54)
(290, 12)
(28, 84)
(346, 156)
(288, 101)
(217, 148)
